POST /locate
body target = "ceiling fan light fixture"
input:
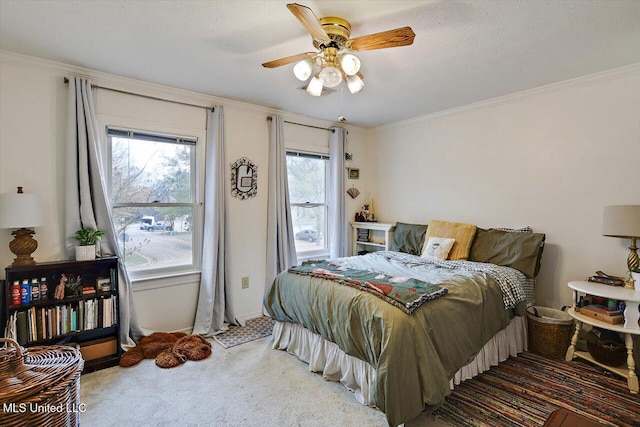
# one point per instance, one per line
(314, 88)
(354, 83)
(330, 76)
(350, 64)
(303, 69)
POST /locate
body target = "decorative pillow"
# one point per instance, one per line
(408, 238)
(519, 250)
(437, 248)
(462, 233)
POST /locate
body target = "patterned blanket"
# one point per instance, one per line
(510, 280)
(403, 292)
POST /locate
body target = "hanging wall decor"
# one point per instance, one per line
(244, 178)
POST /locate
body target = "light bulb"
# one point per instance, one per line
(303, 69)
(355, 83)
(350, 64)
(314, 87)
(330, 76)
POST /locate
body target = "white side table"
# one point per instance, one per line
(380, 237)
(630, 327)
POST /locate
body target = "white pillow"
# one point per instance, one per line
(437, 248)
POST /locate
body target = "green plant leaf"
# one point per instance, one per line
(88, 236)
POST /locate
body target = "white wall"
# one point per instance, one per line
(32, 134)
(549, 158)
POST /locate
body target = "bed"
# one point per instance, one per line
(405, 359)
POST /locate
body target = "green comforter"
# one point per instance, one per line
(415, 355)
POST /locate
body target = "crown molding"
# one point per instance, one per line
(599, 77)
(141, 87)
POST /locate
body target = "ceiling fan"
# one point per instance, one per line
(332, 63)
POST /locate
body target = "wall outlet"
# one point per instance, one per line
(245, 282)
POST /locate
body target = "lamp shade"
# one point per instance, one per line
(330, 76)
(621, 221)
(314, 87)
(21, 210)
(354, 83)
(350, 64)
(303, 69)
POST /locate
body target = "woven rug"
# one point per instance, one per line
(525, 390)
(254, 329)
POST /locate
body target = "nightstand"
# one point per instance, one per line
(377, 236)
(630, 327)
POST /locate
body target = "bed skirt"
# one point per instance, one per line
(359, 376)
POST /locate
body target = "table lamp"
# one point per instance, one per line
(21, 211)
(624, 221)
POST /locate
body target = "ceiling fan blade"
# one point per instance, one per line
(392, 38)
(309, 20)
(288, 60)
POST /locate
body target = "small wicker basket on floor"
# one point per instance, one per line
(549, 331)
(39, 386)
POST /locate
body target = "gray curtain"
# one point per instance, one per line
(215, 310)
(86, 202)
(338, 230)
(281, 250)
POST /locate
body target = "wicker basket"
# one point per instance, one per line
(606, 347)
(41, 386)
(549, 331)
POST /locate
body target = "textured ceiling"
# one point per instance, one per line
(464, 51)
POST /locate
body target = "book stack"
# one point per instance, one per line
(607, 280)
(36, 324)
(603, 314)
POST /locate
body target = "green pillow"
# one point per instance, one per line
(521, 251)
(408, 238)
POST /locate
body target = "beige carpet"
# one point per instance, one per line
(247, 385)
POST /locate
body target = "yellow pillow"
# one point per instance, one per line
(462, 233)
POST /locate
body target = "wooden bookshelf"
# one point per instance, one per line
(89, 321)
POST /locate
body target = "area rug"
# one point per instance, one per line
(525, 390)
(254, 329)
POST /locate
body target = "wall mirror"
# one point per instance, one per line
(244, 178)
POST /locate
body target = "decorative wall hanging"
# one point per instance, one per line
(353, 192)
(244, 178)
(354, 173)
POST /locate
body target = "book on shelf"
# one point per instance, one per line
(21, 327)
(612, 317)
(602, 309)
(37, 324)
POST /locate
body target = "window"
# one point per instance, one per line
(152, 189)
(308, 183)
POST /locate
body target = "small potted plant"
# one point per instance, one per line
(635, 275)
(87, 237)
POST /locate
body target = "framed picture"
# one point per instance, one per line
(103, 284)
(354, 173)
(244, 179)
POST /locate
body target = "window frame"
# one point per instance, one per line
(195, 204)
(324, 252)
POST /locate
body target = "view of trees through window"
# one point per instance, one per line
(152, 198)
(308, 175)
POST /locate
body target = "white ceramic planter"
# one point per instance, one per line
(636, 279)
(85, 253)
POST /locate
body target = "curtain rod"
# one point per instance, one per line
(66, 80)
(302, 124)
